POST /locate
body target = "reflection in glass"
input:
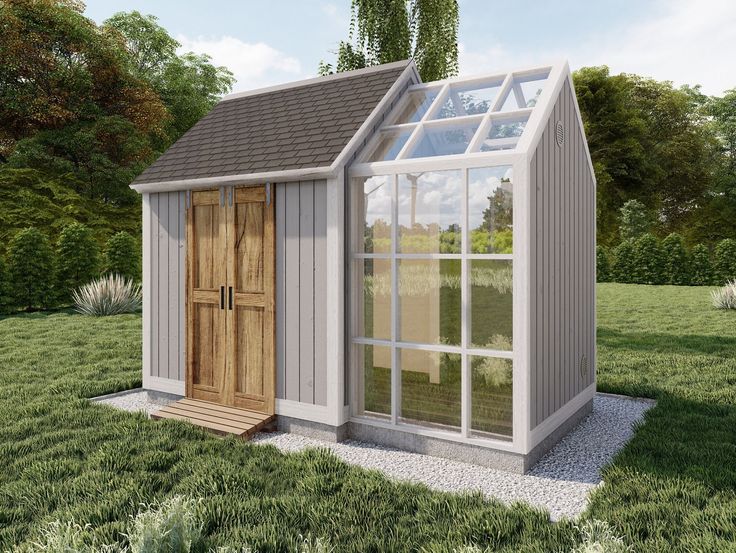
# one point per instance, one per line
(376, 207)
(389, 145)
(376, 298)
(430, 212)
(429, 301)
(469, 100)
(524, 92)
(504, 134)
(375, 362)
(444, 140)
(416, 106)
(491, 303)
(492, 395)
(430, 388)
(490, 209)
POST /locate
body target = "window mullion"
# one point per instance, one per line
(465, 384)
(395, 360)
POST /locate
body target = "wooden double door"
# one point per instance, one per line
(230, 298)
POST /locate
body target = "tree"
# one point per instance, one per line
(30, 263)
(676, 262)
(77, 259)
(382, 31)
(725, 260)
(648, 260)
(6, 300)
(700, 266)
(602, 265)
(635, 220)
(122, 256)
(622, 268)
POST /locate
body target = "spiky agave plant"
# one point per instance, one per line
(108, 295)
(725, 297)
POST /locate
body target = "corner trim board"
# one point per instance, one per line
(163, 385)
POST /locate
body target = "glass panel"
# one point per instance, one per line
(491, 303)
(389, 145)
(504, 134)
(430, 388)
(430, 212)
(376, 319)
(469, 100)
(490, 209)
(416, 106)
(376, 214)
(375, 365)
(491, 390)
(524, 92)
(444, 140)
(429, 296)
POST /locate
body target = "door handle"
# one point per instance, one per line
(230, 298)
(222, 297)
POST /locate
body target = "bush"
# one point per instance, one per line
(596, 536)
(108, 295)
(676, 262)
(622, 268)
(122, 256)
(725, 297)
(30, 263)
(168, 527)
(77, 259)
(58, 537)
(602, 265)
(648, 260)
(725, 260)
(701, 269)
(634, 220)
(6, 300)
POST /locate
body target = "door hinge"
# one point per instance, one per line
(268, 193)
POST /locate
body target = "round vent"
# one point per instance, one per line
(583, 366)
(560, 133)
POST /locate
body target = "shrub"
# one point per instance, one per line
(676, 262)
(701, 270)
(77, 259)
(171, 526)
(108, 295)
(68, 537)
(648, 260)
(622, 268)
(634, 220)
(596, 536)
(6, 300)
(725, 297)
(725, 260)
(122, 257)
(30, 261)
(602, 265)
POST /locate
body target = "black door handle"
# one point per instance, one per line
(230, 298)
(222, 297)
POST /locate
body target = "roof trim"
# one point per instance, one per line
(316, 80)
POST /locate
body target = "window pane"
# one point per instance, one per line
(377, 214)
(444, 140)
(430, 387)
(490, 209)
(504, 134)
(429, 294)
(375, 365)
(416, 106)
(389, 145)
(376, 316)
(464, 100)
(430, 212)
(492, 398)
(524, 92)
(491, 303)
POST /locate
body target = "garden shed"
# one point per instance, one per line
(365, 255)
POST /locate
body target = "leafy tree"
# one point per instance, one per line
(77, 259)
(725, 260)
(676, 261)
(122, 256)
(30, 262)
(622, 268)
(635, 220)
(700, 266)
(648, 260)
(382, 31)
(602, 265)
(6, 299)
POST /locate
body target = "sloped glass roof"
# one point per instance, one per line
(460, 116)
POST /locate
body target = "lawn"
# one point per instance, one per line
(673, 487)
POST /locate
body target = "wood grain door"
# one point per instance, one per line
(250, 318)
(206, 290)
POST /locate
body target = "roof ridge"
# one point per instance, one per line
(317, 80)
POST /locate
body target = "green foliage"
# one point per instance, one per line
(597, 536)
(171, 526)
(676, 261)
(30, 261)
(602, 265)
(122, 256)
(110, 294)
(624, 265)
(701, 268)
(635, 220)
(6, 295)
(725, 297)
(725, 260)
(77, 259)
(68, 537)
(648, 260)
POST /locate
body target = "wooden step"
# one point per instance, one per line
(220, 419)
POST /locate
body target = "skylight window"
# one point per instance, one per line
(524, 92)
(471, 99)
(445, 140)
(416, 106)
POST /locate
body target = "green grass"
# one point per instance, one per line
(672, 488)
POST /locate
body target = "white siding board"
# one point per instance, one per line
(292, 293)
(155, 277)
(306, 293)
(280, 207)
(320, 292)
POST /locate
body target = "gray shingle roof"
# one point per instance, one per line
(301, 127)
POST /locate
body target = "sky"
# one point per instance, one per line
(266, 43)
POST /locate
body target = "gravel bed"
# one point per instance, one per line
(560, 482)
